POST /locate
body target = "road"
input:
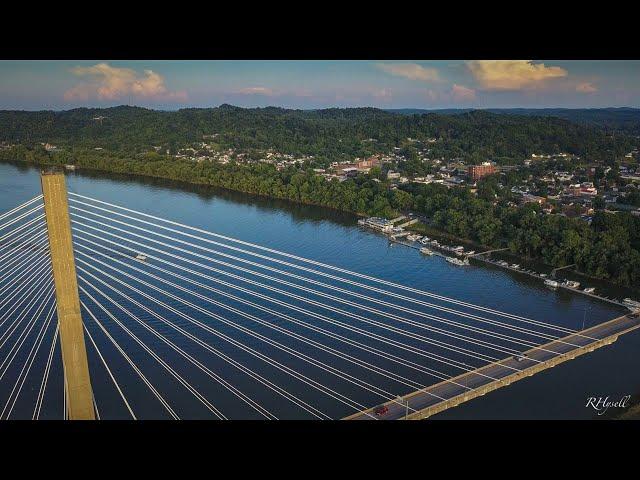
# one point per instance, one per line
(436, 398)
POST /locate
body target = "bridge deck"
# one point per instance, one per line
(449, 393)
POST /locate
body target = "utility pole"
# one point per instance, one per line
(74, 354)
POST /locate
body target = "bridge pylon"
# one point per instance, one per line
(74, 354)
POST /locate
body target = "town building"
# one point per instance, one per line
(476, 172)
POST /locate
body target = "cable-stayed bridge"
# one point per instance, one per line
(180, 322)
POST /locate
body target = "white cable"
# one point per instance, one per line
(207, 347)
(45, 375)
(131, 363)
(310, 409)
(28, 235)
(164, 364)
(29, 288)
(23, 336)
(22, 377)
(20, 207)
(463, 314)
(270, 299)
(403, 287)
(106, 366)
(338, 353)
(21, 261)
(22, 226)
(228, 359)
(304, 299)
(435, 373)
(40, 267)
(326, 390)
(195, 362)
(35, 244)
(343, 375)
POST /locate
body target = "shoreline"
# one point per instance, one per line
(423, 228)
(507, 254)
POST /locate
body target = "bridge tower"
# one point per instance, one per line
(74, 354)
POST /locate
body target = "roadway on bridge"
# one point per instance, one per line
(440, 393)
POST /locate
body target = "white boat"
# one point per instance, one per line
(570, 284)
(590, 290)
(426, 251)
(457, 261)
(516, 266)
(141, 257)
(551, 283)
(471, 252)
(631, 304)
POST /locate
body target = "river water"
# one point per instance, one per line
(325, 236)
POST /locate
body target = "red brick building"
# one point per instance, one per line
(476, 172)
(373, 161)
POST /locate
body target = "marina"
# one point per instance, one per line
(403, 237)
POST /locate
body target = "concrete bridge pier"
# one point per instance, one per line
(74, 355)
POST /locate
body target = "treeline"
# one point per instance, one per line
(331, 133)
(609, 248)
(620, 120)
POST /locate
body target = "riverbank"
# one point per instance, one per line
(358, 197)
(608, 287)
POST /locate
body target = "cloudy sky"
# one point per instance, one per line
(35, 85)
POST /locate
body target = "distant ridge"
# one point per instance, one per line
(622, 119)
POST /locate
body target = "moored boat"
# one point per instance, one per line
(631, 304)
(457, 261)
(551, 283)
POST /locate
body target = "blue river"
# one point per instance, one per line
(323, 235)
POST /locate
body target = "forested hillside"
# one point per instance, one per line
(330, 133)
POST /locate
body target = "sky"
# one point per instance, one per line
(170, 85)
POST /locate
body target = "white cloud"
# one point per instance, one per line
(586, 87)
(513, 74)
(257, 91)
(460, 93)
(105, 82)
(412, 71)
